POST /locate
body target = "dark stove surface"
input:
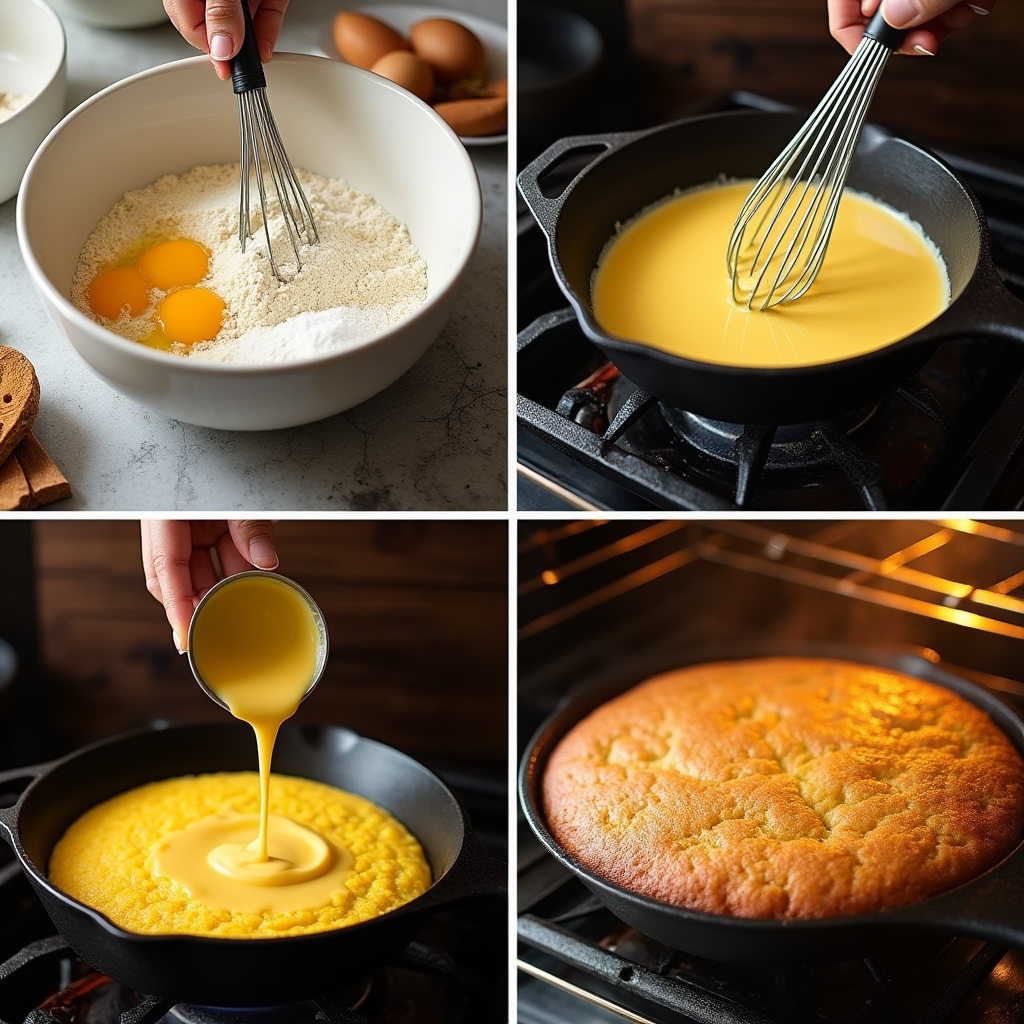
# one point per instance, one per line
(453, 973)
(950, 438)
(566, 934)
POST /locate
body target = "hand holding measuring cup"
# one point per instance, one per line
(177, 556)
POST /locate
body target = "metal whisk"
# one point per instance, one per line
(262, 149)
(780, 237)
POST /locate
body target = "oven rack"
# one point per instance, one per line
(952, 570)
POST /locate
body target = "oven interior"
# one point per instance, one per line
(600, 598)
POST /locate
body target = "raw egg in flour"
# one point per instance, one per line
(181, 262)
(191, 315)
(116, 289)
(184, 315)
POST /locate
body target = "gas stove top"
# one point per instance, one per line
(951, 437)
(578, 962)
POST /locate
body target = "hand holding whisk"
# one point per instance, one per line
(779, 241)
(263, 152)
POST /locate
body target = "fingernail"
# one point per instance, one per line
(221, 46)
(177, 642)
(922, 50)
(262, 554)
(899, 13)
(977, 9)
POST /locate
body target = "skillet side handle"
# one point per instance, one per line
(1002, 314)
(13, 783)
(987, 309)
(545, 210)
(991, 907)
(477, 874)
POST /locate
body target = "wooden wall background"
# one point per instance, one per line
(969, 95)
(417, 614)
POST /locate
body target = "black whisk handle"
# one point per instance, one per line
(246, 67)
(878, 28)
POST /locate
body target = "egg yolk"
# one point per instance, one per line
(118, 289)
(191, 315)
(185, 315)
(180, 263)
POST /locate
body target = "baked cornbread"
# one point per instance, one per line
(105, 859)
(786, 788)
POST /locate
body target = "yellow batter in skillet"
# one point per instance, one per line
(662, 281)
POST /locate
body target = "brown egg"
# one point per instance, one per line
(475, 89)
(407, 70)
(363, 40)
(449, 48)
(470, 118)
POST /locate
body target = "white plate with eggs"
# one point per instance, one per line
(401, 17)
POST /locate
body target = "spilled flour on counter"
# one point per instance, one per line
(11, 103)
(362, 277)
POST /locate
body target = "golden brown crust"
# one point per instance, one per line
(786, 788)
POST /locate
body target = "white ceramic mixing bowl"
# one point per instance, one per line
(32, 63)
(336, 120)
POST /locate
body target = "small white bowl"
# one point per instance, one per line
(113, 13)
(337, 121)
(32, 63)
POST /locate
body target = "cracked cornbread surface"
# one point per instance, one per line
(786, 788)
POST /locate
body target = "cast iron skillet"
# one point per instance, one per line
(244, 972)
(631, 170)
(989, 906)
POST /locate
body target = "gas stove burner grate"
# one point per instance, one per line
(609, 405)
(94, 997)
(792, 447)
(915, 447)
(343, 1009)
(626, 971)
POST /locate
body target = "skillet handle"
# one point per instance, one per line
(987, 308)
(13, 783)
(546, 209)
(991, 907)
(477, 874)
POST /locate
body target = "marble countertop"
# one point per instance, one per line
(434, 440)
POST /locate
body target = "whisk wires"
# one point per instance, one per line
(263, 152)
(781, 235)
(262, 155)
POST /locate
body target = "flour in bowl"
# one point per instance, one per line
(11, 103)
(362, 277)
